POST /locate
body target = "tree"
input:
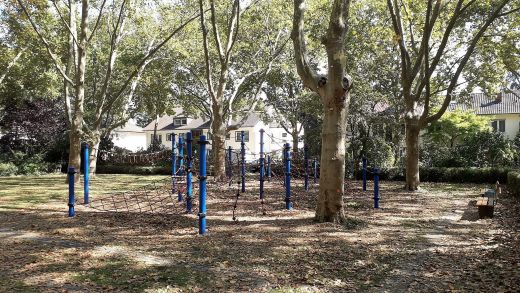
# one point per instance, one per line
(455, 126)
(287, 99)
(429, 65)
(110, 109)
(234, 85)
(334, 91)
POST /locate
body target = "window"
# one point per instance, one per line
(284, 134)
(498, 125)
(179, 121)
(168, 137)
(238, 136)
(228, 136)
(157, 137)
(160, 138)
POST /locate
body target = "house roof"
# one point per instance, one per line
(130, 126)
(503, 103)
(250, 121)
(166, 122)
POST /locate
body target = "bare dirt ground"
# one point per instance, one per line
(431, 241)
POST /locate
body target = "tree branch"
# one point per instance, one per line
(55, 60)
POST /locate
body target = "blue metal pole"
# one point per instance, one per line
(202, 185)
(189, 174)
(174, 155)
(181, 164)
(228, 160)
(376, 188)
(243, 153)
(86, 175)
(306, 165)
(230, 164)
(262, 164)
(315, 171)
(288, 204)
(72, 200)
(269, 168)
(174, 163)
(364, 174)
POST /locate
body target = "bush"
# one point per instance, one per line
(455, 175)
(8, 169)
(137, 170)
(513, 183)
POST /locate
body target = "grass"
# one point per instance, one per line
(19, 192)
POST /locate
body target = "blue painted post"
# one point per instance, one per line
(315, 165)
(376, 188)
(288, 204)
(202, 184)
(364, 174)
(243, 158)
(174, 163)
(189, 174)
(306, 165)
(181, 164)
(262, 164)
(269, 168)
(230, 164)
(86, 175)
(174, 155)
(72, 200)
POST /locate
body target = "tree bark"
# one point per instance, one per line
(295, 135)
(94, 152)
(412, 154)
(76, 132)
(218, 130)
(332, 167)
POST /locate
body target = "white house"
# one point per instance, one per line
(130, 137)
(503, 110)
(274, 135)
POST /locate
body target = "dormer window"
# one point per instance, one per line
(179, 121)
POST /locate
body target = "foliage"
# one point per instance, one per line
(441, 174)
(487, 149)
(455, 126)
(513, 183)
(137, 170)
(8, 169)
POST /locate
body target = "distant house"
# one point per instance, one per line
(503, 109)
(274, 138)
(130, 137)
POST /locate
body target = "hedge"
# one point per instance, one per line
(455, 175)
(513, 183)
(137, 170)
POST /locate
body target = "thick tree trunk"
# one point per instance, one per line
(75, 135)
(332, 168)
(412, 154)
(218, 130)
(295, 135)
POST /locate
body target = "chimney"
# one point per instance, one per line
(498, 98)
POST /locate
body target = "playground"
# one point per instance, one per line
(427, 241)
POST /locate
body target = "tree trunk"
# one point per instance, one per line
(93, 155)
(218, 130)
(332, 168)
(412, 154)
(295, 135)
(77, 123)
(75, 147)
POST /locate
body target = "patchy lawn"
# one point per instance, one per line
(430, 241)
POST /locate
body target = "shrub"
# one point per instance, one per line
(513, 183)
(455, 175)
(8, 169)
(137, 170)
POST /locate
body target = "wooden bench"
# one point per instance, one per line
(486, 204)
